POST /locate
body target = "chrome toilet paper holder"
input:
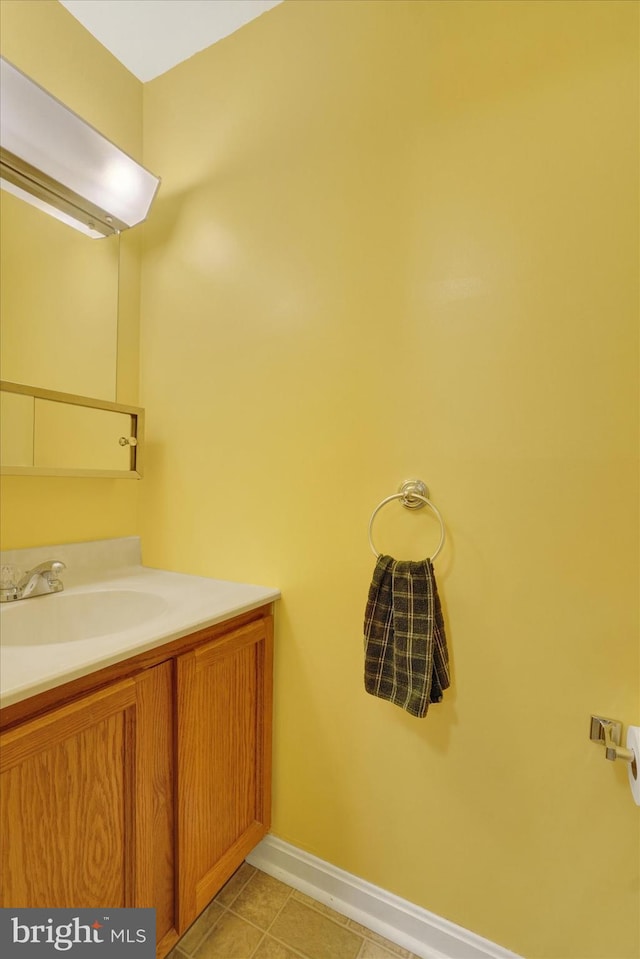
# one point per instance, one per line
(609, 732)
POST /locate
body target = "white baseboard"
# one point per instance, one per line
(421, 932)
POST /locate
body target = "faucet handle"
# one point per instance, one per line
(9, 575)
(52, 574)
(49, 571)
(9, 579)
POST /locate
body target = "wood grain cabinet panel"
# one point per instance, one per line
(86, 802)
(155, 807)
(223, 761)
(67, 789)
(148, 791)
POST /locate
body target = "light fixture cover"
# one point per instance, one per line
(50, 153)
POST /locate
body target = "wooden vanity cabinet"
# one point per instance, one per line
(223, 713)
(148, 790)
(86, 801)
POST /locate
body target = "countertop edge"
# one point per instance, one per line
(41, 684)
(21, 694)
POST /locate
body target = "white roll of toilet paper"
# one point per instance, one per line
(633, 742)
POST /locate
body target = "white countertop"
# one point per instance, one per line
(179, 604)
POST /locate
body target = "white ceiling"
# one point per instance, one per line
(151, 36)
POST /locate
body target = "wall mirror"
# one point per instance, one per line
(60, 294)
(58, 434)
(58, 302)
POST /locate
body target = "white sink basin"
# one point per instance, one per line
(111, 609)
(70, 617)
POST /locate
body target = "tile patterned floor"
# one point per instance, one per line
(257, 917)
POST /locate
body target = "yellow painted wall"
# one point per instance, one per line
(400, 239)
(46, 42)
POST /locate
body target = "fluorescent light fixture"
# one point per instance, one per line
(51, 210)
(52, 158)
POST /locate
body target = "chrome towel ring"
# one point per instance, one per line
(414, 495)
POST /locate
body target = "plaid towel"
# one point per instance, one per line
(406, 657)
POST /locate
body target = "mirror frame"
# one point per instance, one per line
(137, 430)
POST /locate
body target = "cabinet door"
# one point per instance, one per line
(67, 794)
(224, 705)
(86, 802)
(79, 437)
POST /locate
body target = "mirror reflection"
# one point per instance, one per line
(59, 304)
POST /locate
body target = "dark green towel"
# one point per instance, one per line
(406, 656)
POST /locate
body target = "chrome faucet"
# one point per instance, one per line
(43, 578)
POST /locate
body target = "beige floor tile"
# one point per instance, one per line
(320, 906)
(396, 951)
(261, 900)
(270, 949)
(233, 886)
(203, 924)
(373, 950)
(230, 938)
(313, 934)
